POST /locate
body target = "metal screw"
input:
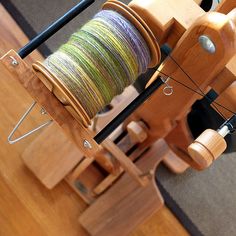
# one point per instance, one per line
(80, 186)
(14, 62)
(43, 111)
(207, 44)
(87, 144)
(148, 174)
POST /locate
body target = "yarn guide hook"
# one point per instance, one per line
(21, 120)
(168, 90)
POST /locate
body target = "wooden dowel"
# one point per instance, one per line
(125, 162)
(83, 165)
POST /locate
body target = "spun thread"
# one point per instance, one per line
(106, 55)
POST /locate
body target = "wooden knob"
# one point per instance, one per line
(136, 131)
(207, 147)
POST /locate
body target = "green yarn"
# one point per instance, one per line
(100, 60)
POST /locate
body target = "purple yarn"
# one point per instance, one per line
(132, 36)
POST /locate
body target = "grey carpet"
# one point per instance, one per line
(207, 198)
(41, 13)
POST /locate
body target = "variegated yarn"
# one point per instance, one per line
(106, 55)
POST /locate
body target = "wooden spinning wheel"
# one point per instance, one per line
(155, 125)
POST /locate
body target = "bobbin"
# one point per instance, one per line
(62, 92)
(140, 25)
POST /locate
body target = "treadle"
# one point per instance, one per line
(142, 202)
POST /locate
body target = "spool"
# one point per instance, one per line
(63, 93)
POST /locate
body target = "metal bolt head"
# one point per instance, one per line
(87, 144)
(14, 62)
(207, 44)
(80, 186)
(43, 111)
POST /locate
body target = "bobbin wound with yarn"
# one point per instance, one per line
(99, 61)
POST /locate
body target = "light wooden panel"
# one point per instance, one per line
(161, 224)
(52, 161)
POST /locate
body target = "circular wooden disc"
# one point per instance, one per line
(62, 92)
(142, 27)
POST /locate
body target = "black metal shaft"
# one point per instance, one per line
(110, 127)
(53, 28)
(231, 123)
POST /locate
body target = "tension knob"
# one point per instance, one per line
(207, 147)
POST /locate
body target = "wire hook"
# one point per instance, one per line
(11, 141)
(168, 89)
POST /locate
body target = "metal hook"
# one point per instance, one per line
(11, 141)
(168, 89)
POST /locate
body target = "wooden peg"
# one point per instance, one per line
(207, 148)
(125, 162)
(137, 131)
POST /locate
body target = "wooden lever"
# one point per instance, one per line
(137, 131)
(208, 147)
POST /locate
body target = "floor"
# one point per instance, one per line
(26, 207)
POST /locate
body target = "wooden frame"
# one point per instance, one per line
(77, 161)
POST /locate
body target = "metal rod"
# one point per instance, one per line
(230, 123)
(53, 28)
(111, 126)
(12, 141)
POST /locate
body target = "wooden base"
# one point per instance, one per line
(126, 205)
